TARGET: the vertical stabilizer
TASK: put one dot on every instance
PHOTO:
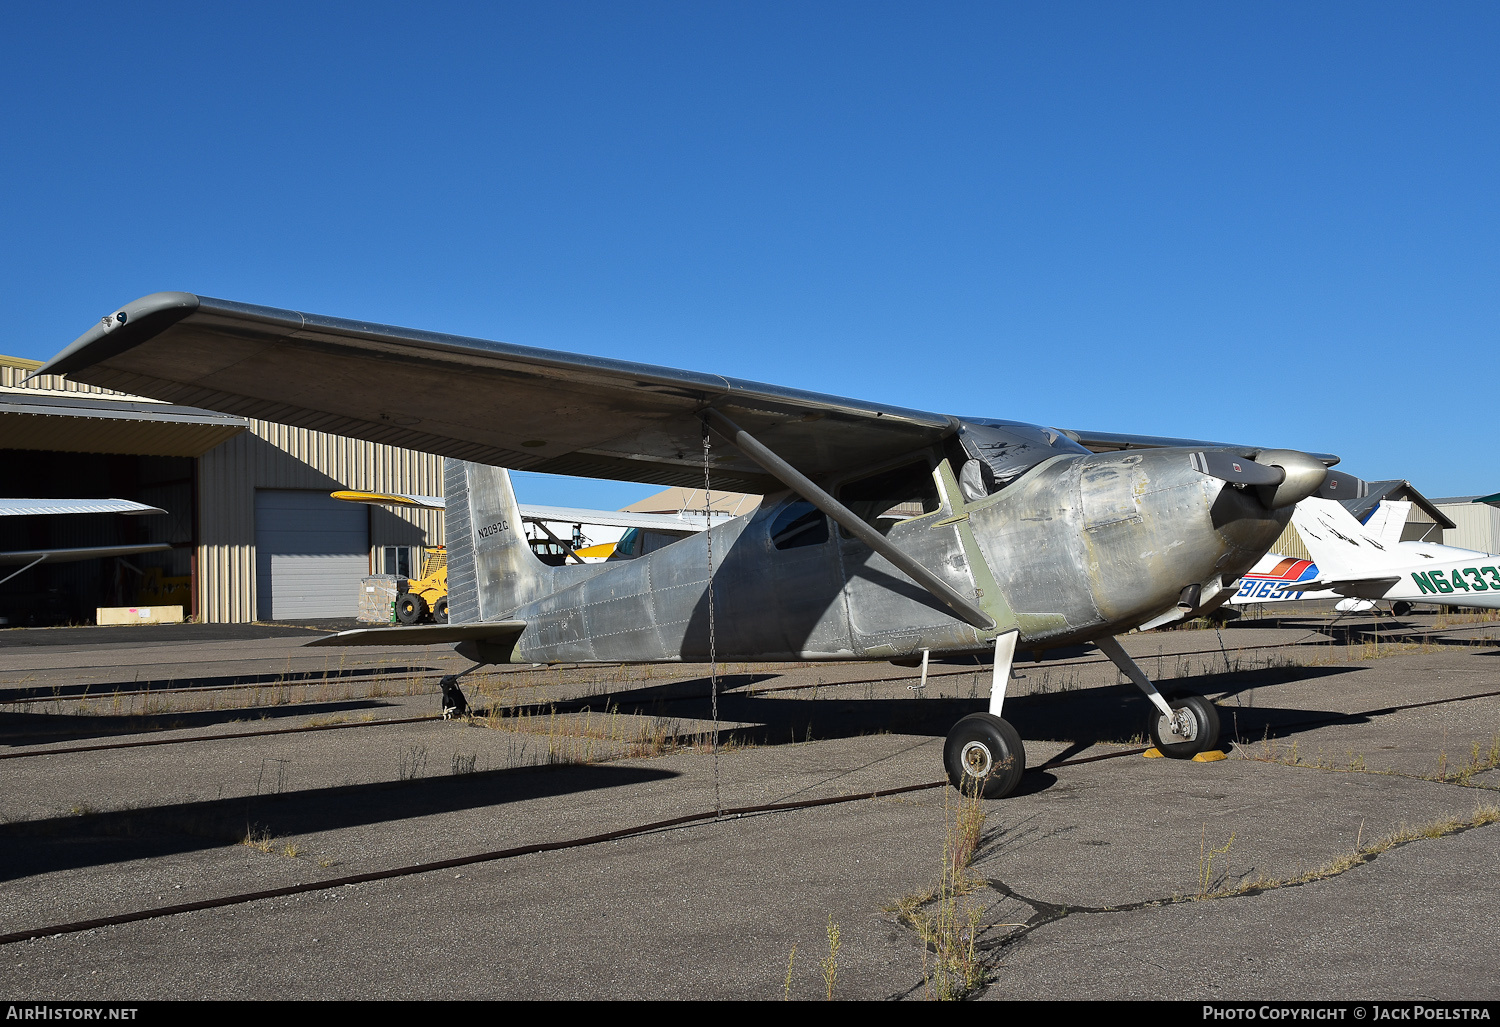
(1338, 544)
(491, 568)
(1387, 521)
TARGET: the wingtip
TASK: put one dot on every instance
(120, 330)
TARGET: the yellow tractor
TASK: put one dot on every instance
(419, 599)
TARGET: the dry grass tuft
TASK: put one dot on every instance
(258, 839)
(830, 965)
(946, 918)
(1483, 814)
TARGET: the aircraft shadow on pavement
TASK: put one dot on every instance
(33, 847)
(1081, 717)
(47, 728)
(104, 692)
(103, 636)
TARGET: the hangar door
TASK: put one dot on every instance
(310, 553)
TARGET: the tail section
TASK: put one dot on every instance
(491, 568)
(1339, 544)
(1387, 521)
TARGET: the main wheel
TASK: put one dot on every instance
(410, 609)
(986, 751)
(440, 611)
(1201, 729)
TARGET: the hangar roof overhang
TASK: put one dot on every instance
(1423, 509)
(82, 423)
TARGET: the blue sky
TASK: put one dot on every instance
(1271, 223)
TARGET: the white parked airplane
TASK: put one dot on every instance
(32, 507)
(1363, 563)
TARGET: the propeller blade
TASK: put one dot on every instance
(1339, 485)
(1236, 469)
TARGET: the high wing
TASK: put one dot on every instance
(559, 514)
(27, 507)
(489, 402)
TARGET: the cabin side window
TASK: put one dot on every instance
(798, 524)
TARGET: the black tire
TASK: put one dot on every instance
(984, 748)
(440, 611)
(1401, 608)
(410, 609)
(1203, 728)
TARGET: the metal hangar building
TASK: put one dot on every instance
(253, 532)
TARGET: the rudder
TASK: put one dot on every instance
(491, 568)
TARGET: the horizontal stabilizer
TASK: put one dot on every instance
(1355, 588)
(495, 632)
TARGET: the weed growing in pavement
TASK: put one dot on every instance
(829, 966)
(1483, 814)
(258, 839)
(946, 919)
(1206, 857)
(413, 763)
(1480, 760)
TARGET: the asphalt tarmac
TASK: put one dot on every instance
(1345, 849)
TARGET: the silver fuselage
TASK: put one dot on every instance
(1080, 546)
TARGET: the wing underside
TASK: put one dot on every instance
(494, 403)
(491, 402)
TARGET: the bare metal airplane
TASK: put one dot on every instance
(885, 533)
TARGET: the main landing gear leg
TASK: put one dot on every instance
(983, 753)
(1185, 725)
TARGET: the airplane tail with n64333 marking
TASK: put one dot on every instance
(1362, 562)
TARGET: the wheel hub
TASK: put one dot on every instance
(1183, 726)
(977, 760)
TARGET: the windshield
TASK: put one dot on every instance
(999, 452)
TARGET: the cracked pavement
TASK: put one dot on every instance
(1099, 859)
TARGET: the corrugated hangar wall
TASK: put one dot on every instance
(1478, 526)
(275, 456)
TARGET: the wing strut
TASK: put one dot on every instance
(23, 570)
(846, 518)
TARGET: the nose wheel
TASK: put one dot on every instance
(1193, 727)
(984, 752)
